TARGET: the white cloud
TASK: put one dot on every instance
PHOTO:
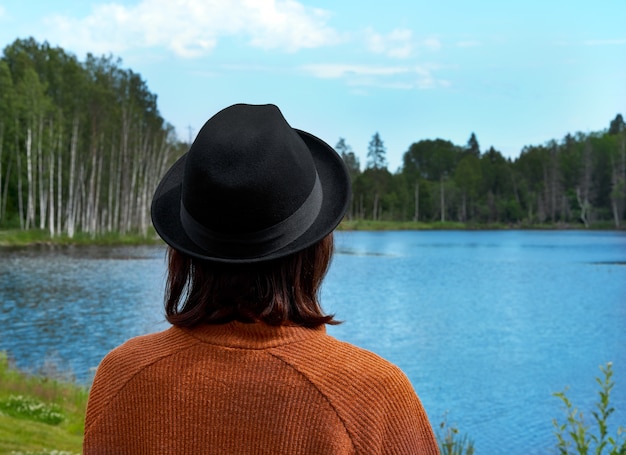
(288, 24)
(191, 28)
(397, 44)
(334, 71)
(432, 44)
(391, 77)
(606, 42)
(468, 43)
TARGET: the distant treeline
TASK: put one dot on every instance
(579, 180)
(82, 144)
(82, 147)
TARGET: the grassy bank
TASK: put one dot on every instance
(369, 225)
(39, 415)
(17, 237)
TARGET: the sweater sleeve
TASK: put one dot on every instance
(405, 428)
(121, 364)
(374, 398)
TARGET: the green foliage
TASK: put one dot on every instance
(617, 125)
(575, 436)
(349, 158)
(472, 148)
(82, 144)
(31, 408)
(574, 183)
(452, 442)
(376, 153)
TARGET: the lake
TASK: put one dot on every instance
(487, 325)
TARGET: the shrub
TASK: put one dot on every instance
(451, 442)
(574, 432)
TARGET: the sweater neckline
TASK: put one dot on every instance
(256, 335)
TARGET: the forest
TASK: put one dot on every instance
(82, 147)
(82, 144)
(578, 181)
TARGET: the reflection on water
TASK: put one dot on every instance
(487, 325)
(350, 252)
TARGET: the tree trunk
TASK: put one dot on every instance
(464, 207)
(43, 195)
(442, 201)
(416, 216)
(584, 206)
(90, 199)
(30, 196)
(59, 211)
(71, 205)
(3, 200)
(97, 214)
(375, 208)
(53, 148)
(618, 181)
(584, 189)
(361, 207)
(1, 144)
(20, 196)
(616, 216)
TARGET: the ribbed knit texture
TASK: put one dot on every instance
(252, 389)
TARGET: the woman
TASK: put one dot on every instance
(247, 367)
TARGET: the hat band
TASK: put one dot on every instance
(257, 243)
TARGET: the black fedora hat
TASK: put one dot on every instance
(250, 189)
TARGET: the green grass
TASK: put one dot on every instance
(17, 237)
(369, 225)
(39, 415)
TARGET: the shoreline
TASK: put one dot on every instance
(37, 237)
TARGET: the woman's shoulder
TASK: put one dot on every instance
(136, 346)
(328, 360)
(373, 397)
(137, 353)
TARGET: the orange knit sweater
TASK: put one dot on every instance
(251, 389)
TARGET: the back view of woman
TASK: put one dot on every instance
(247, 367)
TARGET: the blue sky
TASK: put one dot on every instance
(515, 73)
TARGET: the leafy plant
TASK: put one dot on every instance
(575, 434)
(451, 442)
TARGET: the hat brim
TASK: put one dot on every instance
(334, 179)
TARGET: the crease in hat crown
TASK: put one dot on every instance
(249, 187)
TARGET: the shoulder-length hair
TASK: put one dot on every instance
(278, 292)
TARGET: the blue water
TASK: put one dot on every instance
(487, 325)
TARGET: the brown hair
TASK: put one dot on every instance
(277, 292)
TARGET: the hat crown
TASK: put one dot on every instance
(251, 189)
(246, 171)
